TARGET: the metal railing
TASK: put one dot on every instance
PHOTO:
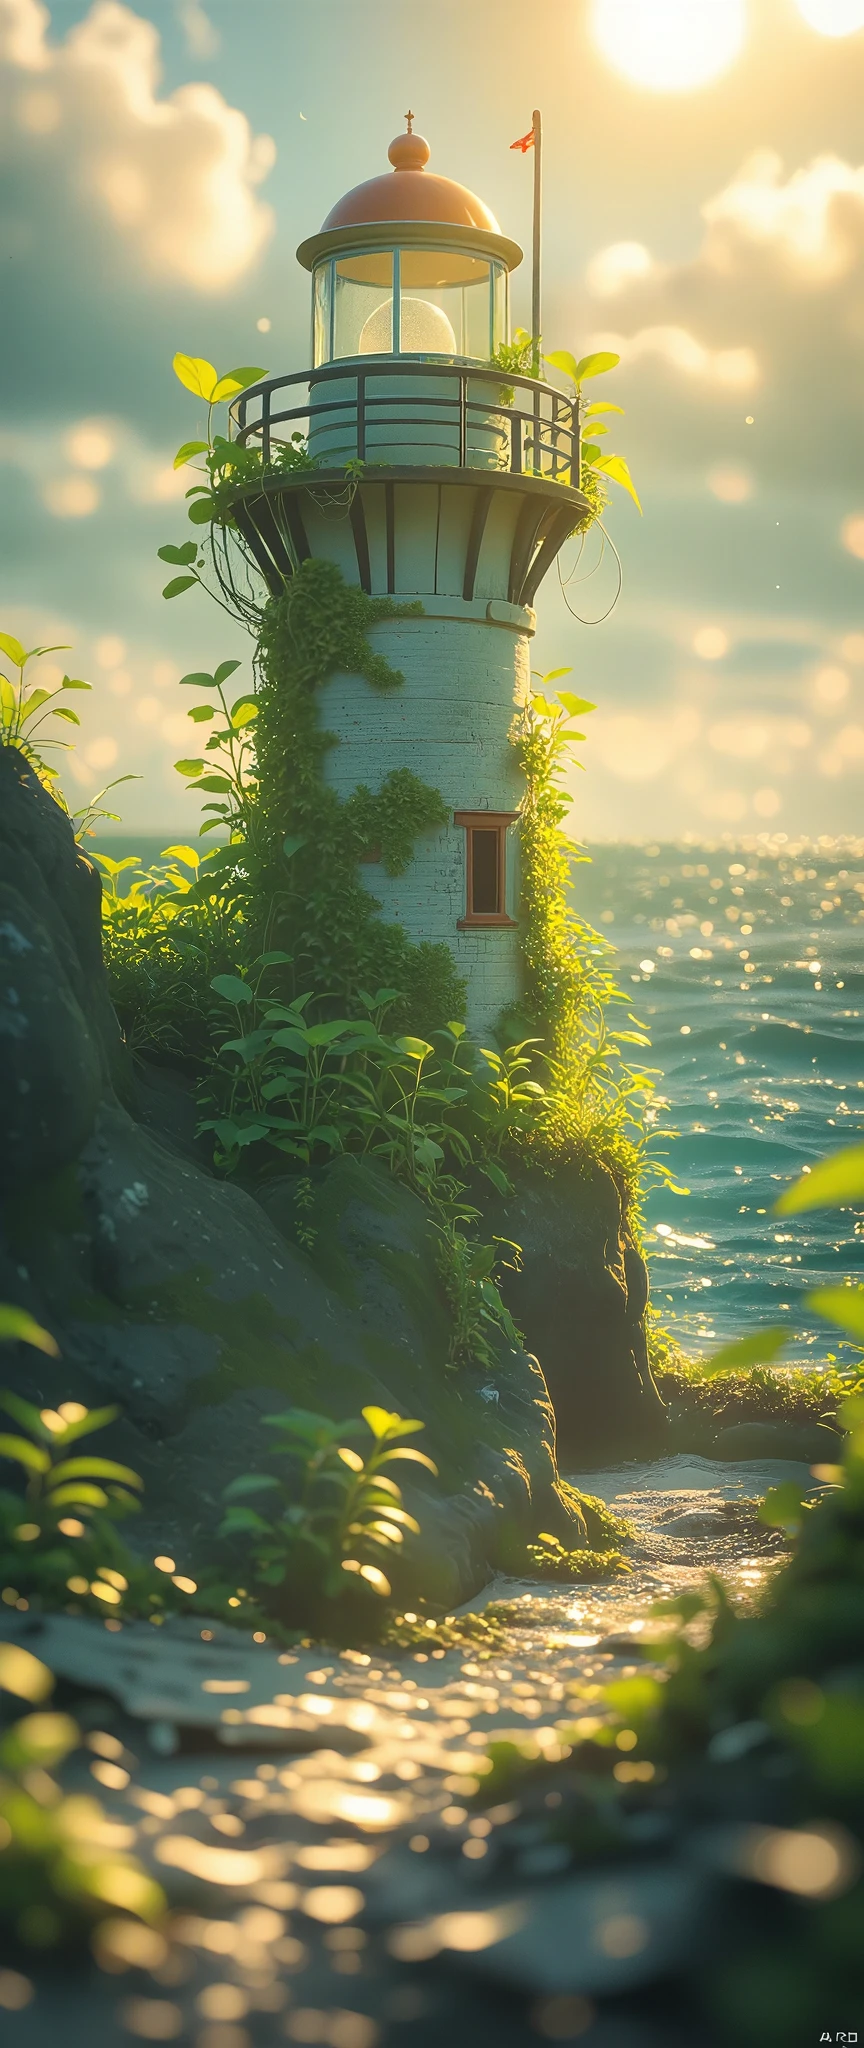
(452, 415)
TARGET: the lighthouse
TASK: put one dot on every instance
(427, 473)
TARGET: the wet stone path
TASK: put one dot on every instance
(296, 1806)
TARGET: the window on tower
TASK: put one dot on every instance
(485, 866)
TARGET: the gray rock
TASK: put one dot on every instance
(580, 1299)
(809, 1442)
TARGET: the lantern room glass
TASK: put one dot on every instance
(417, 301)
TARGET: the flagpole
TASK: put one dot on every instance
(536, 317)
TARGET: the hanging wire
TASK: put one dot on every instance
(564, 582)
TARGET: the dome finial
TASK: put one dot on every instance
(409, 152)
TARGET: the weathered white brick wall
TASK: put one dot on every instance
(465, 676)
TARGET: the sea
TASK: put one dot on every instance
(744, 963)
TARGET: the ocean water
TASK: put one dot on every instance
(747, 967)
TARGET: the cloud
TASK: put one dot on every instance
(812, 224)
(60, 467)
(731, 369)
(202, 39)
(770, 308)
(172, 179)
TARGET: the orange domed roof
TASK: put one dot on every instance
(410, 192)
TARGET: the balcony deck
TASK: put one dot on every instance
(445, 477)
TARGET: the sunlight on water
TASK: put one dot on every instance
(747, 966)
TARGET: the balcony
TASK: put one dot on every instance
(423, 477)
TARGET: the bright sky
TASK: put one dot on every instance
(704, 214)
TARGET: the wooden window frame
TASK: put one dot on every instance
(485, 821)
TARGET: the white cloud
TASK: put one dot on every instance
(621, 264)
(727, 369)
(203, 40)
(813, 221)
(176, 177)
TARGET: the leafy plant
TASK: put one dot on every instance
(166, 933)
(335, 1514)
(59, 1539)
(594, 418)
(63, 1863)
(231, 774)
(594, 1100)
(24, 711)
(470, 1274)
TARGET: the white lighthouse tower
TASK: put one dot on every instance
(430, 475)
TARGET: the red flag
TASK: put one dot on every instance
(525, 142)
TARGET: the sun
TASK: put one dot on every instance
(833, 17)
(669, 45)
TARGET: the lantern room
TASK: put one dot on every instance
(409, 264)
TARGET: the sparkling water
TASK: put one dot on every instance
(747, 967)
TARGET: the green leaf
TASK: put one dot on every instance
(17, 1327)
(198, 376)
(203, 511)
(198, 680)
(415, 1457)
(601, 405)
(561, 359)
(178, 584)
(384, 1421)
(759, 1349)
(75, 683)
(244, 712)
(596, 365)
(189, 767)
(250, 1482)
(232, 988)
(25, 1414)
(187, 451)
(843, 1305)
(79, 1494)
(201, 714)
(95, 1418)
(414, 1048)
(234, 381)
(214, 782)
(178, 556)
(576, 707)
(226, 669)
(93, 1468)
(553, 674)
(239, 1521)
(13, 649)
(31, 1455)
(782, 1506)
(616, 467)
(292, 846)
(184, 853)
(62, 711)
(829, 1185)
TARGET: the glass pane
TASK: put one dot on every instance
(363, 305)
(321, 314)
(445, 304)
(500, 320)
(484, 858)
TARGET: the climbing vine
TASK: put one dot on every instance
(305, 844)
(595, 1101)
